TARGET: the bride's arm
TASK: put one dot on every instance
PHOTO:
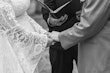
(16, 33)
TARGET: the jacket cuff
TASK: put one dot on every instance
(65, 43)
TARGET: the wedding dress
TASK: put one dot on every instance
(20, 48)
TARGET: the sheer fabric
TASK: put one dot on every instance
(20, 51)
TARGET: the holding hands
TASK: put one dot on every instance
(52, 38)
(57, 21)
(54, 35)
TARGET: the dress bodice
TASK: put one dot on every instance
(20, 6)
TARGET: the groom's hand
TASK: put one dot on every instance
(55, 35)
(57, 22)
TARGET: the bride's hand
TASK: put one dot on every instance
(49, 43)
(50, 40)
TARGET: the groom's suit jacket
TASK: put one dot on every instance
(93, 35)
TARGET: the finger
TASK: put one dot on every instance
(62, 18)
(65, 16)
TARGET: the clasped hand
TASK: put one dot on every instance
(53, 37)
(57, 22)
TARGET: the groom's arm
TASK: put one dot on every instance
(95, 14)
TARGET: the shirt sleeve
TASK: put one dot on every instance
(94, 15)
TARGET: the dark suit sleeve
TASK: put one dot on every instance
(51, 4)
(95, 14)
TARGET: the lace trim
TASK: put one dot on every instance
(23, 39)
(7, 21)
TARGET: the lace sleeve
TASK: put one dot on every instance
(15, 32)
(26, 45)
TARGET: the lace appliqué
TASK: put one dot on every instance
(30, 46)
(23, 39)
(27, 46)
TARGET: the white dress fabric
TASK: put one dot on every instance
(20, 50)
